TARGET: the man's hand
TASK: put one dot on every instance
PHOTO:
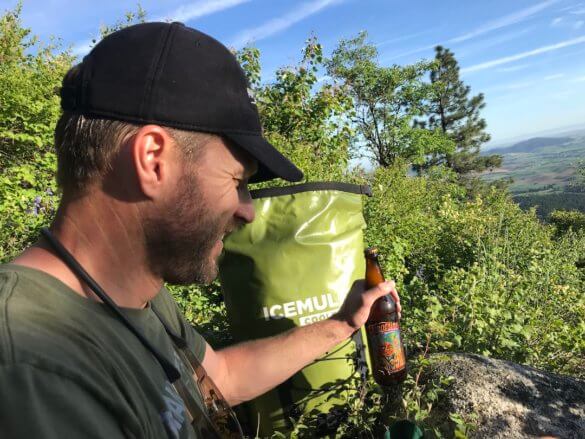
(355, 310)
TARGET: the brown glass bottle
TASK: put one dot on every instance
(387, 354)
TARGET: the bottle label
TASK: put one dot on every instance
(384, 339)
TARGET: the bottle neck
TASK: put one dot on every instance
(374, 275)
(384, 309)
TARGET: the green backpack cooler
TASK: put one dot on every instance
(292, 266)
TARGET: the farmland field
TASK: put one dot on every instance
(542, 171)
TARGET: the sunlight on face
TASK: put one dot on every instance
(184, 237)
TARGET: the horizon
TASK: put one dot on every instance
(526, 57)
(565, 130)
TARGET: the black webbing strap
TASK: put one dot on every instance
(285, 389)
(361, 361)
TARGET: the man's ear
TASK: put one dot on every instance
(152, 154)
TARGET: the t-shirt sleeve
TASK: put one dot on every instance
(197, 343)
(36, 403)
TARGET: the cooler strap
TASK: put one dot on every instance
(284, 390)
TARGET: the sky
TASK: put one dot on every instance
(526, 56)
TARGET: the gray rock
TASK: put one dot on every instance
(510, 400)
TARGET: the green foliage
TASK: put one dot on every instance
(482, 276)
(580, 176)
(546, 202)
(567, 220)
(306, 123)
(387, 101)
(577, 183)
(29, 105)
(30, 74)
(373, 412)
(130, 18)
(203, 307)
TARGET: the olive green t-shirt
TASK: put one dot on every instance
(70, 369)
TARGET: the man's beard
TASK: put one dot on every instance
(180, 240)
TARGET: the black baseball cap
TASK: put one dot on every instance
(172, 75)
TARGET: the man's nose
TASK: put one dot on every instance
(246, 211)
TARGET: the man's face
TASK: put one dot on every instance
(184, 239)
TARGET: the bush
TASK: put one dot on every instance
(481, 276)
(30, 74)
(567, 220)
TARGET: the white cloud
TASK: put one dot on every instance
(404, 38)
(198, 9)
(485, 43)
(513, 68)
(555, 76)
(184, 13)
(511, 86)
(504, 21)
(556, 21)
(579, 79)
(279, 24)
(522, 55)
(499, 23)
(519, 85)
(413, 51)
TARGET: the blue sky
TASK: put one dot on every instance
(526, 56)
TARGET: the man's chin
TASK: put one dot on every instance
(202, 275)
(206, 274)
(210, 273)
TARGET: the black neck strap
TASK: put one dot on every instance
(170, 370)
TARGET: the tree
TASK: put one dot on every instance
(29, 105)
(387, 101)
(577, 183)
(130, 18)
(457, 115)
(565, 220)
(305, 119)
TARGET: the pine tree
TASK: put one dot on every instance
(457, 115)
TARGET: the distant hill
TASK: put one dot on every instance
(540, 163)
(531, 145)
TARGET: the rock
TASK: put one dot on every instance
(510, 400)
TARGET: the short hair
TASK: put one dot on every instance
(86, 145)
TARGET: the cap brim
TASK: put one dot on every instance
(271, 163)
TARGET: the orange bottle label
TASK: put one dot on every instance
(384, 339)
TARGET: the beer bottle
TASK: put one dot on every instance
(387, 355)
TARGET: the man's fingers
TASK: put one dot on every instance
(396, 298)
(388, 287)
(383, 288)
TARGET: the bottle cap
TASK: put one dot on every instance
(371, 251)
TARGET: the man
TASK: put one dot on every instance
(156, 145)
